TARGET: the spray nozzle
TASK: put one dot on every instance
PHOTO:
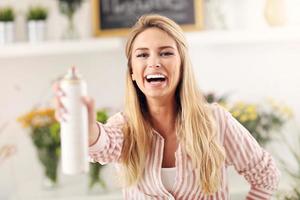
(72, 73)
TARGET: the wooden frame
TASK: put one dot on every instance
(100, 30)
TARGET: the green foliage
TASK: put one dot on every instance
(295, 195)
(7, 14)
(47, 141)
(69, 7)
(102, 116)
(95, 168)
(37, 13)
(211, 98)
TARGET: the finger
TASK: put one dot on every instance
(57, 89)
(60, 117)
(59, 105)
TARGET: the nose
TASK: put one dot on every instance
(157, 65)
(153, 62)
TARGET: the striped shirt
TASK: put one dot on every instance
(242, 151)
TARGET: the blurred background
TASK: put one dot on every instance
(245, 54)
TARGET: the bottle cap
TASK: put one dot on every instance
(72, 74)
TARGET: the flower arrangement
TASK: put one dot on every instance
(261, 120)
(44, 132)
(95, 168)
(37, 13)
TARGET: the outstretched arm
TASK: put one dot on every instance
(108, 146)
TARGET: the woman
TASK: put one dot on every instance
(169, 143)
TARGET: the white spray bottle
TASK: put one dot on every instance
(74, 131)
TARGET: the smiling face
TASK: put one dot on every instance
(155, 62)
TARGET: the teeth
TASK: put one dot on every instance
(155, 76)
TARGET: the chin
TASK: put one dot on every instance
(155, 95)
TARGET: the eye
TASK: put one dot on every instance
(167, 53)
(142, 55)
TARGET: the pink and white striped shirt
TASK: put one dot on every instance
(242, 151)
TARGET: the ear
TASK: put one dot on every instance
(132, 77)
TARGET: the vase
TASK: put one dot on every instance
(275, 12)
(243, 14)
(96, 182)
(36, 30)
(49, 160)
(70, 33)
(214, 15)
(48, 184)
(7, 32)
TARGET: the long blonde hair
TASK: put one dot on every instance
(195, 128)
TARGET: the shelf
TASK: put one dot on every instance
(242, 37)
(195, 39)
(60, 47)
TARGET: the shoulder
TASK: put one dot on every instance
(220, 116)
(117, 119)
(219, 112)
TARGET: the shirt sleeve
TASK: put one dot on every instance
(249, 159)
(108, 147)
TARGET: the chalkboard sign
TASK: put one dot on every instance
(115, 17)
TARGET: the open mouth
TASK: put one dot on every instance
(155, 78)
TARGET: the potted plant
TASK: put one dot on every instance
(36, 23)
(7, 17)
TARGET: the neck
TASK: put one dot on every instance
(163, 116)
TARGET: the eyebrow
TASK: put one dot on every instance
(162, 47)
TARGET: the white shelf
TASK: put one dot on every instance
(60, 47)
(273, 36)
(242, 37)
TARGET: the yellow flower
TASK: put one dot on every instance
(236, 113)
(286, 110)
(243, 118)
(250, 109)
(38, 118)
(253, 116)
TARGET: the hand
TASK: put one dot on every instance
(61, 111)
